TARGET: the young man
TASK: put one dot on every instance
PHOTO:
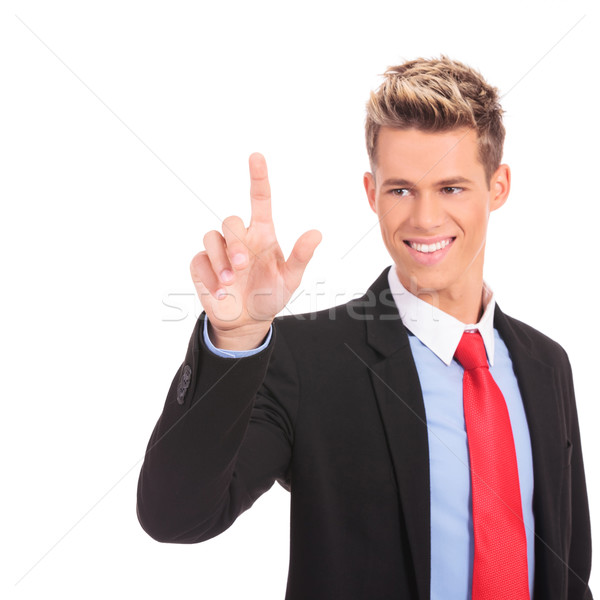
(429, 441)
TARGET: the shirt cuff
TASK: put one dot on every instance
(234, 353)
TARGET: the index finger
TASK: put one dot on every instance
(260, 191)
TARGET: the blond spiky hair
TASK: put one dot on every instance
(437, 95)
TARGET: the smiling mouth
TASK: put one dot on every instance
(429, 248)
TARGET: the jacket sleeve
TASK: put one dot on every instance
(224, 436)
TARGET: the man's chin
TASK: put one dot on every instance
(417, 283)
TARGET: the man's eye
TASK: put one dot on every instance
(451, 190)
(401, 192)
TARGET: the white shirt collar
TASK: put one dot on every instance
(438, 330)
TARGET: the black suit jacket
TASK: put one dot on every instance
(333, 410)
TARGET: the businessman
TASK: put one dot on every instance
(430, 442)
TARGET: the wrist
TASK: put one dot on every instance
(245, 337)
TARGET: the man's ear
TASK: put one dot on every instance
(499, 186)
(369, 183)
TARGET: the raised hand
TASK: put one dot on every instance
(242, 277)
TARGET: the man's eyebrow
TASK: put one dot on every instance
(405, 183)
(398, 183)
(454, 181)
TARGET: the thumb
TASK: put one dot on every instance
(300, 256)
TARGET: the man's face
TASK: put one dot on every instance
(430, 193)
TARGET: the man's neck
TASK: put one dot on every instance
(467, 308)
(465, 303)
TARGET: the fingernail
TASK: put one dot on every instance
(226, 275)
(238, 259)
(221, 294)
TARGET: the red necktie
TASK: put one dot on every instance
(500, 562)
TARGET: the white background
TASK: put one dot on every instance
(124, 136)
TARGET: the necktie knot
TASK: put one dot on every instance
(471, 351)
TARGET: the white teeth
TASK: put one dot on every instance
(426, 248)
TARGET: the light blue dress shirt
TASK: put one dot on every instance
(434, 336)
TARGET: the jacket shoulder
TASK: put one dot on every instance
(536, 342)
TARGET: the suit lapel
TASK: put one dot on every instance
(400, 401)
(537, 384)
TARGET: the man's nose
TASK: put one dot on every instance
(427, 212)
